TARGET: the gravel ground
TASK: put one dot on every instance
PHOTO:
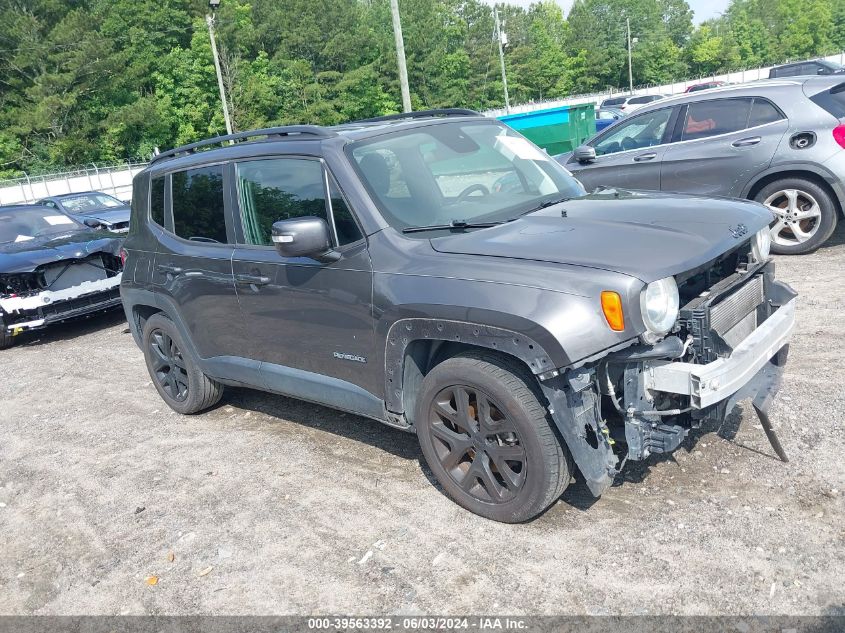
(271, 506)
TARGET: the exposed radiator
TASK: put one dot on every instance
(736, 307)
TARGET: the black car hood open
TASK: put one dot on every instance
(647, 235)
(26, 256)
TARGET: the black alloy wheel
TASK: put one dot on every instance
(175, 373)
(487, 436)
(168, 365)
(477, 445)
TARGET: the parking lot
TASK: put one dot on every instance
(112, 504)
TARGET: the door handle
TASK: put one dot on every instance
(252, 280)
(170, 270)
(644, 157)
(745, 142)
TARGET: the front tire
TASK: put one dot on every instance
(806, 215)
(177, 378)
(6, 339)
(488, 439)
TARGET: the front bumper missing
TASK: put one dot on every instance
(714, 382)
(42, 309)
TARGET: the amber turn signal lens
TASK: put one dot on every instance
(611, 305)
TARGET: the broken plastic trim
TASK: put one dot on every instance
(47, 297)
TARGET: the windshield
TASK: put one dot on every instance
(459, 172)
(20, 225)
(87, 202)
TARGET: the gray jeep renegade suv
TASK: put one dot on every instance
(439, 273)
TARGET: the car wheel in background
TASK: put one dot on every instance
(6, 339)
(488, 439)
(806, 215)
(175, 375)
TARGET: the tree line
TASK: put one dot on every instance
(86, 81)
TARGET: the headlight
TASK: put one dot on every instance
(761, 244)
(659, 303)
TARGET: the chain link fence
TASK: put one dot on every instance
(114, 179)
(736, 76)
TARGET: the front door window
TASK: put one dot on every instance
(641, 131)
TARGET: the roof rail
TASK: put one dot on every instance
(314, 131)
(420, 114)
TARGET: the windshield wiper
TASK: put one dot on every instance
(454, 224)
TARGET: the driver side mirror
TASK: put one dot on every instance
(585, 154)
(304, 237)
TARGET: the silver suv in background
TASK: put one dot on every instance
(781, 143)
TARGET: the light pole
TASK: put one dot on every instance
(502, 39)
(400, 56)
(630, 66)
(209, 19)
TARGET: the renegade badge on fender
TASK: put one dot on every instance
(439, 273)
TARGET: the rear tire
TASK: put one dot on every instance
(177, 378)
(488, 438)
(806, 215)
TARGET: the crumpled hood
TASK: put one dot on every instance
(647, 235)
(109, 216)
(26, 256)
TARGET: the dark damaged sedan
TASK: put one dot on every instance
(53, 268)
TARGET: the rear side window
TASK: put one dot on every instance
(711, 118)
(278, 189)
(786, 71)
(832, 100)
(157, 200)
(198, 204)
(763, 112)
(613, 102)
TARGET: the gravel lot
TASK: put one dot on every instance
(272, 506)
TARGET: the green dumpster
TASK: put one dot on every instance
(556, 130)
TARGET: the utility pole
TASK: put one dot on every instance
(210, 21)
(400, 56)
(499, 38)
(630, 69)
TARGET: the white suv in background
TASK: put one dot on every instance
(630, 103)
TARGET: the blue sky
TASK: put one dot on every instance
(704, 9)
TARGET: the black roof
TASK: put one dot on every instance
(27, 207)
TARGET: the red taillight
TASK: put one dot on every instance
(839, 135)
(123, 255)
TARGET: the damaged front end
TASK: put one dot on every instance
(730, 343)
(60, 290)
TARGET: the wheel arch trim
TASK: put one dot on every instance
(403, 332)
(797, 170)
